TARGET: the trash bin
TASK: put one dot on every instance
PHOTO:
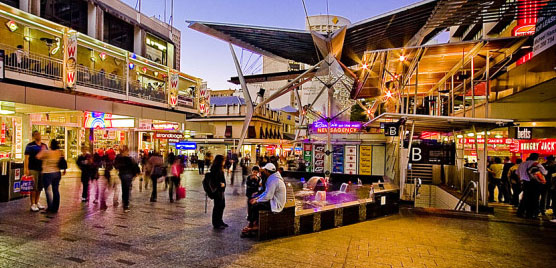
(10, 180)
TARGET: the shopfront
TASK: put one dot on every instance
(104, 130)
(159, 136)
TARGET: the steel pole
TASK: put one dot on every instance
(472, 87)
(487, 90)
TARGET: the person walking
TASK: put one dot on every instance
(157, 171)
(52, 162)
(85, 164)
(127, 170)
(33, 167)
(495, 169)
(529, 205)
(201, 163)
(176, 171)
(506, 185)
(218, 182)
(515, 182)
(244, 169)
(546, 196)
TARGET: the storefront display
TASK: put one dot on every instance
(351, 159)
(365, 159)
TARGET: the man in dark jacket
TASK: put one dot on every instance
(128, 169)
(85, 163)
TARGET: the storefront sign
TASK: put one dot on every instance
(338, 159)
(18, 136)
(185, 101)
(70, 59)
(540, 146)
(336, 127)
(204, 100)
(435, 154)
(165, 126)
(527, 14)
(173, 91)
(308, 155)
(318, 163)
(489, 141)
(350, 163)
(391, 129)
(97, 120)
(3, 133)
(186, 146)
(167, 136)
(524, 133)
(365, 159)
(145, 124)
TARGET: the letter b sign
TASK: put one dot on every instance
(416, 154)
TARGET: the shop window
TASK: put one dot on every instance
(72, 14)
(228, 133)
(251, 132)
(156, 50)
(13, 3)
(118, 32)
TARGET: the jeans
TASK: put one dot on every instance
(218, 209)
(529, 204)
(174, 182)
(255, 208)
(516, 190)
(154, 180)
(493, 183)
(126, 188)
(201, 166)
(51, 183)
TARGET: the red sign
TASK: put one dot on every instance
(167, 136)
(527, 17)
(540, 146)
(489, 141)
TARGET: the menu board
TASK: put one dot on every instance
(318, 164)
(365, 159)
(350, 159)
(338, 159)
(308, 155)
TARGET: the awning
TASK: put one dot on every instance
(440, 123)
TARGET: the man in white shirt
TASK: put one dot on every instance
(201, 162)
(273, 198)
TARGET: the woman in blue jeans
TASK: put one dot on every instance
(51, 175)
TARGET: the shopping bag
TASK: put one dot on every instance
(180, 193)
(27, 185)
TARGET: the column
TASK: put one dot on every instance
(24, 5)
(92, 20)
(138, 41)
(35, 7)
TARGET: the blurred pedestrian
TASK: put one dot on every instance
(176, 171)
(85, 164)
(128, 169)
(495, 169)
(546, 194)
(529, 205)
(506, 185)
(201, 162)
(515, 182)
(157, 171)
(52, 163)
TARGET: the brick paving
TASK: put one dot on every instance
(180, 235)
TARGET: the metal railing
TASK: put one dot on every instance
(21, 61)
(152, 94)
(100, 80)
(471, 189)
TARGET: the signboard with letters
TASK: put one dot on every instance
(184, 145)
(319, 154)
(391, 129)
(70, 59)
(308, 155)
(168, 136)
(524, 133)
(545, 35)
(434, 154)
(365, 159)
(540, 146)
(338, 159)
(173, 91)
(336, 127)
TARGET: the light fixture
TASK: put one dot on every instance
(403, 58)
(156, 73)
(389, 94)
(102, 56)
(144, 69)
(133, 56)
(534, 123)
(93, 59)
(498, 136)
(12, 26)
(488, 132)
(459, 136)
(27, 38)
(131, 65)
(365, 65)
(471, 134)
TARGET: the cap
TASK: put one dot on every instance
(270, 167)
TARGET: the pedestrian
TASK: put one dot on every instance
(85, 164)
(201, 162)
(529, 205)
(546, 194)
(208, 159)
(218, 182)
(52, 162)
(515, 182)
(253, 185)
(145, 168)
(157, 171)
(127, 170)
(244, 169)
(506, 185)
(108, 182)
(176, 171)
(97, 165)
(234, 160)
(33, 167)
(169, 162)
(495, 169)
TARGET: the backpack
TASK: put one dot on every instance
(208, 187)
(535, 174)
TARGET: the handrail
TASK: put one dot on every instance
(101, 80)
(471, 187)
(22, 61)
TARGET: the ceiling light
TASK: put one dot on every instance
(471, 134)
(459, 136)
(403, 58)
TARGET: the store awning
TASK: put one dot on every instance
(440, 123)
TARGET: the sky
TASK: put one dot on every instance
(210, 59)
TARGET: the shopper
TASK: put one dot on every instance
(128, 169)
(506, 185)
(218, 182)
(546, 194)
(201, 162)
(145, 168)
(495, 169)
(52, 162)
(157, 171)
(244, 169)
(176, 171)
(33, 167)
(234, 159)
(529, 205)
(108, 182)
(253, 185)
(273, 198)
(515, 182)
(85, 164)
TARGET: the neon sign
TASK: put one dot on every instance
(97, 120)
(337, 127)
(527, 14)
(540, 146)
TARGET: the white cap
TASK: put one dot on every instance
(270, 167)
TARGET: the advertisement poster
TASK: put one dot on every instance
(173, 91)
(70, 59)
(365, 159)
(308, 156)
(338, 159)
(318, 164)
(350, 159)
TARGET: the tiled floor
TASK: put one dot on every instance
(180, 235)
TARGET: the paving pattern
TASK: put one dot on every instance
(163, 234)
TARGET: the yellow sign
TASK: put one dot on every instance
(365, 159)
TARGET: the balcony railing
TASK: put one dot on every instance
(100, 80)
(21, 61)
(142, 92)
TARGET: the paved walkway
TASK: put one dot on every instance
(180, 235)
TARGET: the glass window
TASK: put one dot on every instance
(118, 32)
(13, 3)
(156, 50)
(70, 13)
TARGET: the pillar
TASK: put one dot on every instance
(92, 20)
(24, 5)
(34, 7)
(138, 41)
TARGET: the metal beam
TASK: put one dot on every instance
(246, 95)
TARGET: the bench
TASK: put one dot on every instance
(273, 225)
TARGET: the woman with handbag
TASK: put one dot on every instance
(176, 171)
(52, 163)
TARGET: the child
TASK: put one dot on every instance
(252, 187)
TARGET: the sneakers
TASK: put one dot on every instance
(83, 199)
(34, 208)
(126, 209)
(41, 207)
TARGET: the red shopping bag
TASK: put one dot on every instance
(27, 185)
(180, 193)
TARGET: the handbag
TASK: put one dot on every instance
(27, 185)
(180, 193)
(62, 164)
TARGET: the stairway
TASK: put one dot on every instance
(420, 171)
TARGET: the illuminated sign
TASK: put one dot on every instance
(186, 146)
(97, 120)
(337, 127)
(70, 59)
(145, 124)
(168, 136)
(160, 125)
(173, 92)
(527, 14)
(12, 26)
(540, 146)
(489, 141)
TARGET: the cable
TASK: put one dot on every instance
(309, 24)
